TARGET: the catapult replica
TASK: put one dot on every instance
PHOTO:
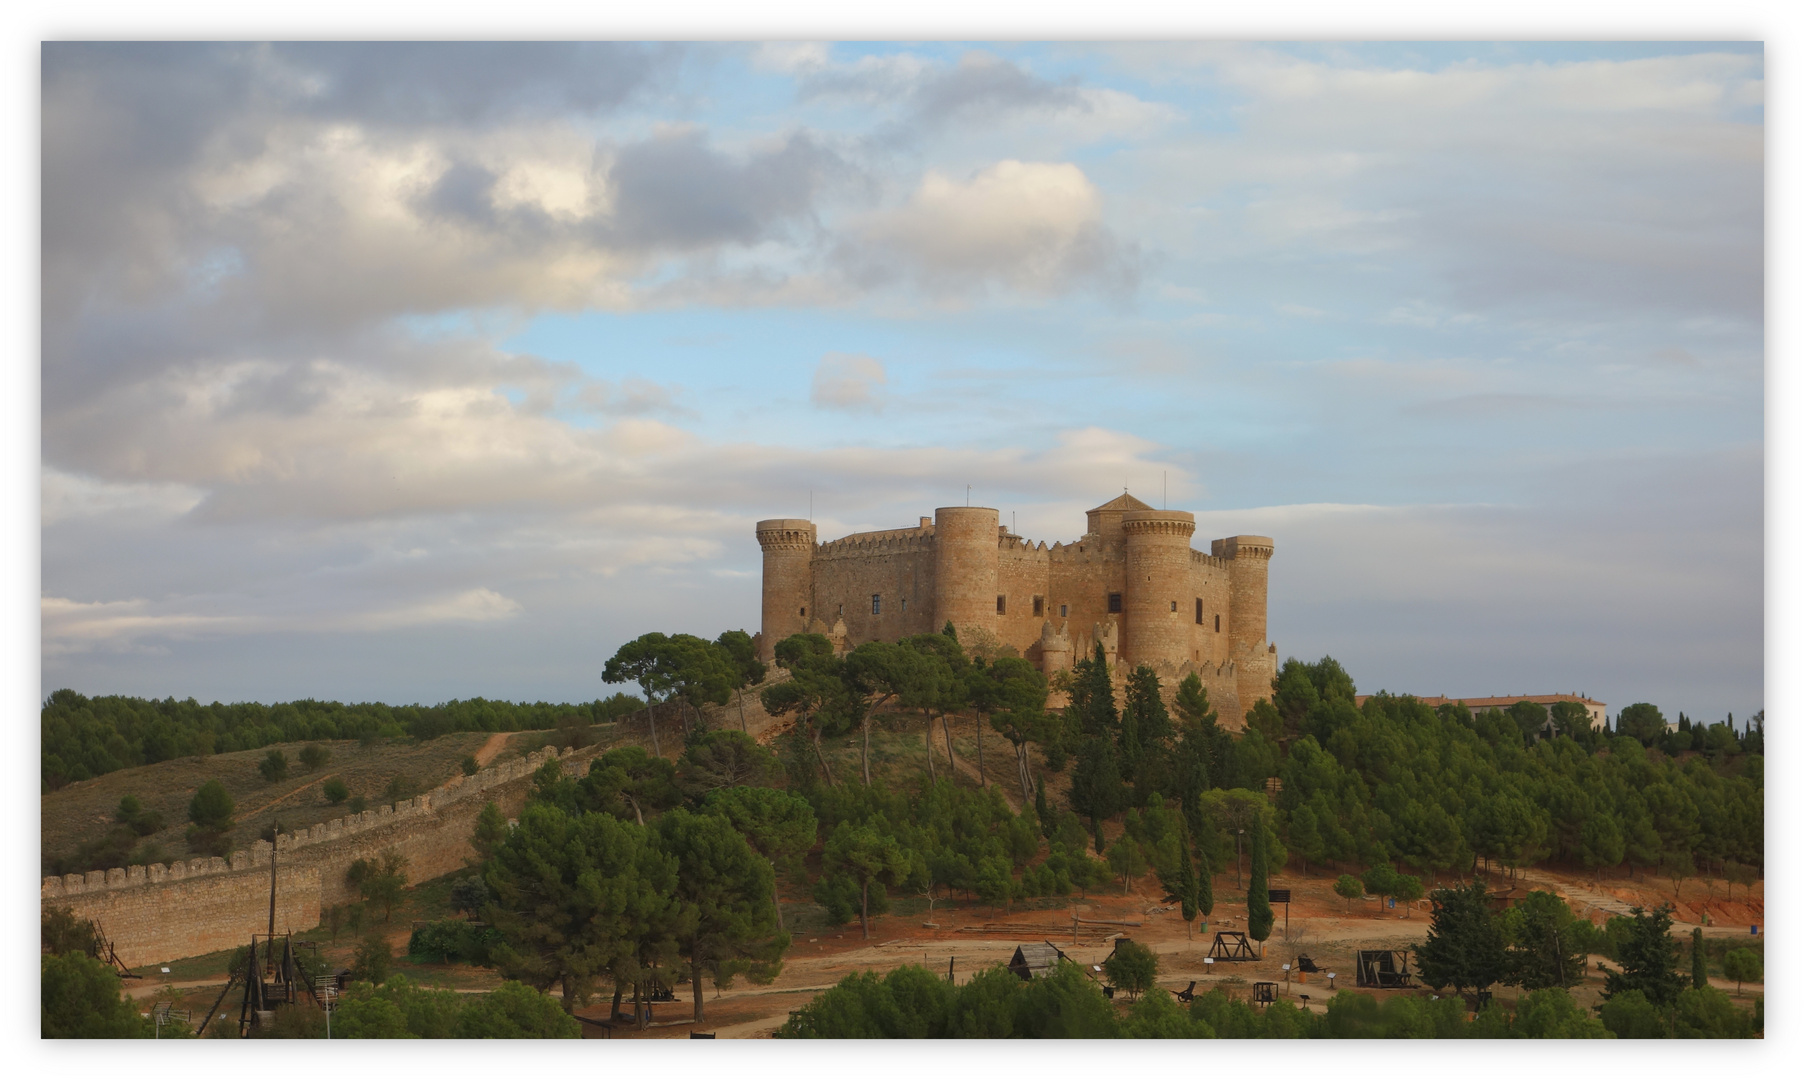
(271, 975)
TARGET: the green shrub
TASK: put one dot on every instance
(470, 766)
(335, 791)
(274, 766)
(1132, 967)
(372, 961)
(313, 755)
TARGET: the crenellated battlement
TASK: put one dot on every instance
(1133, 570)
(258, 854)
(888, 542)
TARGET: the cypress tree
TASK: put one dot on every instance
(1041, 812)
(1259, 908)
(1187, 877)
(1699, 978)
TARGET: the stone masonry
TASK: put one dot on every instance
(1131, 583)
(159, 913)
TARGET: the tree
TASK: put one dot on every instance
(1699, 977)
(1132, 967)
(627, 782)
(211, 808)
(1465, 946)
(1630, 1015)
(1642, 722)
(1126, 860)
(470, 765)
(274, 766)
(1571, 719)
(729, 890)
(1259, 906)
(578, 898)
(675, 668)
(82, 998)
(1677, 866)
(313, 756)
(491, 829)
(724, 759)
(1545, 950)
(63, 933)
(211, 813)
(1306, 839)
(1742, 965)
(1407, 889)
(335, 791)
(748, 670)
(1187, 877)
(1349, 888)
(780, 826)
(380, 881)
(866, 856)
(1601, 842)
(1648, 957)
(816, 690)
(1016, 692)
(516, 1011)
(1551, 1013)
(1529, 718)
(372, 960)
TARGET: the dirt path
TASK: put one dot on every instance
(288, 796)
(492, 746)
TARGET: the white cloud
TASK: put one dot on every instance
(1034, 226)
(848, 382)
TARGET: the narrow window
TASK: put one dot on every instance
(1200, 611)
(1174, 605)
(1115, 602)
(1062, 611)
(839, 610)
(1040, 606)
(802, 612)
(1218, 624)
(1001, 605)
(905, 606)
(877, 604)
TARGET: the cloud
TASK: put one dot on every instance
(1032, 226)
(848, 382)
(138, 625)
(979, 91)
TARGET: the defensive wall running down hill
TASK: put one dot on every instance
(158, 913)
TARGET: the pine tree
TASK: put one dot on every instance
(1699, 979)
(1648, 957)
(1259, 907)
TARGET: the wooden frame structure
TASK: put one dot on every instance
(1382, 969)
(1232, 945)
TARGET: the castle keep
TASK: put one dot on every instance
(1131, 583)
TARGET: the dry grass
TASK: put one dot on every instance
(83, 811)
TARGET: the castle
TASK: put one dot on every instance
(1131, 583)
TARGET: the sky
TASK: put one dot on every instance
(408, 373)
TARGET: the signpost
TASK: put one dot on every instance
(1282, 896)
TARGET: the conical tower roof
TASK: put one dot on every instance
(1123, 501)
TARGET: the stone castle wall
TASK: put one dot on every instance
(158, 913)
(1181, 610)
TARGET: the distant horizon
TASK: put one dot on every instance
(419, 372)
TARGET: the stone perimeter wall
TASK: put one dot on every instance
(158, 913)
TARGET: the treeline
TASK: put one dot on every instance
(1388, 781)
(914, 1003)
(86, 737)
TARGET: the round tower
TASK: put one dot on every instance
(1156, 588)
(1247, 594)
(789, 546)
(965, 567)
